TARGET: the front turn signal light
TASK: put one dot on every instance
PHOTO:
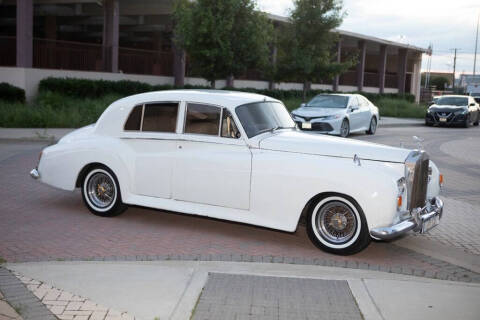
(399, 202)
(440, 180)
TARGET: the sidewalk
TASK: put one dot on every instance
(390, 122)
(228, 290)
(54, 134)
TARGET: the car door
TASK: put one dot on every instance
(213, 163)
(365, 112)
(150, 132)
(354, 113)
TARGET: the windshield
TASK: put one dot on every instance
(263, 116)
(328, 101)
(452, 101)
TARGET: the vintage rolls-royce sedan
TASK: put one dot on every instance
(240, 157)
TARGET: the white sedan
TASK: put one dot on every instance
(240, 157)
(337, 114)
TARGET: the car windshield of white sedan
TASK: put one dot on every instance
(260, 117)
(328, 101)
(452, 101)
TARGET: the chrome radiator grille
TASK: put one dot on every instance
(417, 179)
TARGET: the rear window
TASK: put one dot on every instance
(135, 119)
(161, 117)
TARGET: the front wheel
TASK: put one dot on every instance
(101, 192)
(466, 124)
(336, 224)
(373, 126)
(345, 129)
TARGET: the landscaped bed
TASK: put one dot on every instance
(73, 103)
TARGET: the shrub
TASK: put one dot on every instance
(96, 88)
(11, 93)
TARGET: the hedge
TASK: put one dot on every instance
(11, 93)
(96, 88)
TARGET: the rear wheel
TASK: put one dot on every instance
(478, 118)
(101, 192)
(336, 224)
(373, 126)
(345, 128)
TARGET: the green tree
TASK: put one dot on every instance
(222, 38)
(306, 45)
(440, 82)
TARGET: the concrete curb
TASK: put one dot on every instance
(22, 299)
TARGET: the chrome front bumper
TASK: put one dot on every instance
(35, 174)
(422, 220)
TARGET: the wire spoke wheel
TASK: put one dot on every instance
(101, 190)
(336, 222)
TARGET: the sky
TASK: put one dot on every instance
(444, 24)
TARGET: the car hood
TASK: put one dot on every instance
(308, 143)
(446, 108)
(311, 112)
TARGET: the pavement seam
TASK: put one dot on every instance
(371, 298)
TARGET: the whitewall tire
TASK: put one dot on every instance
(336, 224)
(101, 192)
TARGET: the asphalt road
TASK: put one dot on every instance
(456, 151)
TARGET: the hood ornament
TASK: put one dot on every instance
(419, 142)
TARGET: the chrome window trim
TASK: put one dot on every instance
(205, 104)
(143, 112)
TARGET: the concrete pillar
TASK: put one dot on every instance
(402, 69)
(24, 33)
(179, 62)
(362, 47)
(382, 67)
(110, 35)
(336, 80)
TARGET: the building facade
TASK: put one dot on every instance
(124, 39)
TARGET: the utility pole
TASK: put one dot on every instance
(454, 66)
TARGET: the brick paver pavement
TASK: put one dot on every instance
(270, 298)
(42, 223)
(67, 306)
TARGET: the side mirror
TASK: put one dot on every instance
(302, 105)
(353, 108)
(472, 104)
(431, 103)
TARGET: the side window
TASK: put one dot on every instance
(202, 119)
(229, 128)
(160, 117)
(134, 119)
(363, 101)
(354, 101)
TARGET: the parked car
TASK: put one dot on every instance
(240, 157)
(337, 114)
(476, 96)
(453, 110)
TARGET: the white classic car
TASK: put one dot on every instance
(240, 157)
(337, 114)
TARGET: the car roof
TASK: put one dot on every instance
(209, 96)
(453, 96)
(113, 118)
